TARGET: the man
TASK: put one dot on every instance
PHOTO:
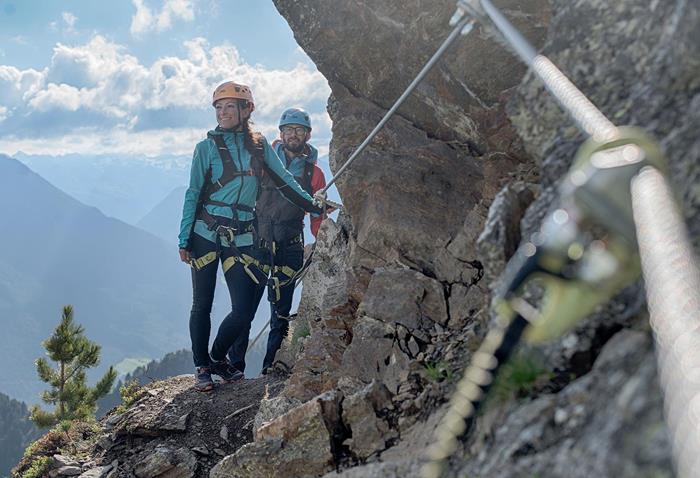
(281, 228)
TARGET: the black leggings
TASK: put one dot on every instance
(291, 256)
(245, 296)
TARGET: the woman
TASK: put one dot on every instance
(218, 223)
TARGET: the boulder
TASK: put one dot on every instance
(374, 354)
(271, 409)
(298, 443)
(406, 297)
(361, 415)
(167, 462)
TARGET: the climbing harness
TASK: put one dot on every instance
(229, 227)
(296, 277)
(224, 226)
(617, 217)
(247, 262)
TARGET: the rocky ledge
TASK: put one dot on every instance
(169, 430)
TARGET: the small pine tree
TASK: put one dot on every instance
(73, 354)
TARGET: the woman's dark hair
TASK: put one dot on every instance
(253, 141)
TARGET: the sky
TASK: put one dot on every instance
(136, 77)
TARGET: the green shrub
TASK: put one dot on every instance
(301, 331)
(73, 354)
(70, 438)
(519, 377)
(41, 450)
(439, 371)
(130, 393)
(38, 468)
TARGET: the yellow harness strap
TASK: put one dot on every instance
(247, 261)
(200, 262)
(286, 270)
(276, 288)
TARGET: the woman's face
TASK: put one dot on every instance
(228, 110)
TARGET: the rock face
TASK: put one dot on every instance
(640, 68)
(617, 406)
(438, 203)
(451, 145)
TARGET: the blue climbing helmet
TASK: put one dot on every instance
(295, 116)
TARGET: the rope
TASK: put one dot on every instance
(673, 294)
(571, 99)
(495, 350)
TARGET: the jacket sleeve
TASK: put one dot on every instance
(285, 182)
(198, 170)
(318, 182)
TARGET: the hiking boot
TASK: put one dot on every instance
(202, 380)
(226, 371)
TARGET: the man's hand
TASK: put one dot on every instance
(319, 199)
(322, 202)
(185, 256)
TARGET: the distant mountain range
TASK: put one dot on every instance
(16, 432)
(127, 286)
(164, 219)
(123, 187)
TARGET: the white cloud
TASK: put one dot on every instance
(100, 76)
(91, 141)
(3, 113)
(20, 40)
(174, 9)
(145, 20)
(99, 84)
(321, 121)
(16, 86)
(57, 96)
(142, 19)
(69, 20)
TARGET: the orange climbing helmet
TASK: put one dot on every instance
(231, 89)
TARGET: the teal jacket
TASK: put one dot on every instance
(241, 190)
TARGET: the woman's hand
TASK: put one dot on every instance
(185, 256)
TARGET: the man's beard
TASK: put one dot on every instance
(295, 149)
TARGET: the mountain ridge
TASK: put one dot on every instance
(124, 283)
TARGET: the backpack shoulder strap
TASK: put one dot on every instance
(230, 172)
(307, 175)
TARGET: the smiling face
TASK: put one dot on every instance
(294, 137)
(231, 112)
